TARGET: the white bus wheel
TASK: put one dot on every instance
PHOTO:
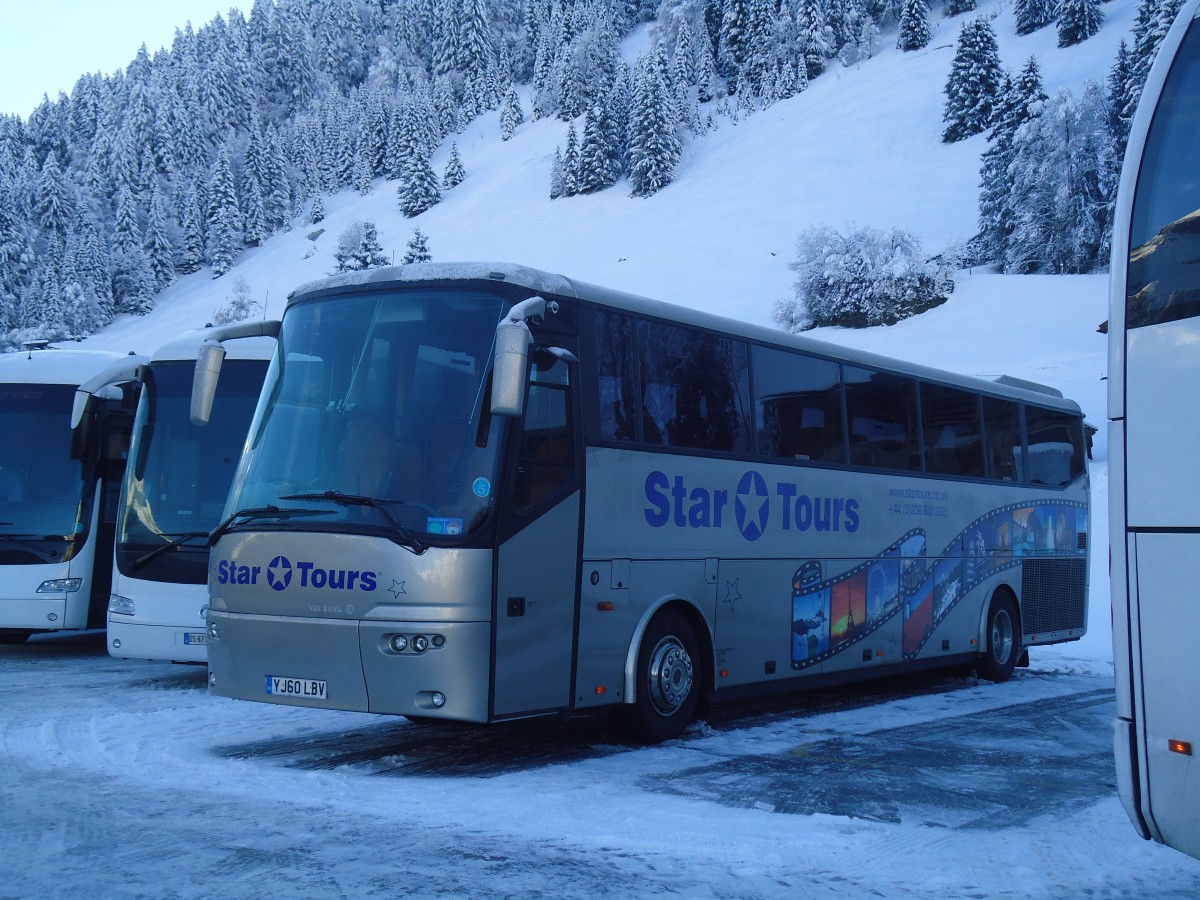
(668, 680)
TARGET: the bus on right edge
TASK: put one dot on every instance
(1154, 413)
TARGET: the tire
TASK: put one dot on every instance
(8, 636)
(1003, 637)
(668, 681)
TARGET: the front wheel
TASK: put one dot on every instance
(999, 657)
(10, 636)
(668, 681)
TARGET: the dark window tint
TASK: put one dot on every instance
(881, 414)
(799, 406)
(694, 389)
(618, 377)
(951, 429)
(1163, 282)
(1002, 429)
(1055, 444)
(546, 459)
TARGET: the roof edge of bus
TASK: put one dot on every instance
(55, 365)
(500, 272)
(184, 347)
(1025, 384)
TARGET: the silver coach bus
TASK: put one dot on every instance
(604, 500)
(1154, 412)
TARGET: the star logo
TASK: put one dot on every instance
(732, 594)
(752, 506)
(279, 573)
(397, 588)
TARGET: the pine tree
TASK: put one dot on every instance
(556, 175)
(455, 173)
(915, 29)
(418, 249)
(510, 114)
(654, 148)
(53, 203)
(973, 86)
(317, 212)
(358, 248)
(600, 152)
(1078, 20)
(958, 7)
(157, 244)
(1033, 14)
(418, 189)
(225, 223)
(570, 164)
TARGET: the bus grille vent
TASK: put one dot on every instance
(1081, 541)
(1053, 595)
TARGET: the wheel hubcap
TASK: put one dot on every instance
(670, 676)
(1002, 636)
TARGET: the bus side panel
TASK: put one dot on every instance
(1164, 480)
(1167, 566)
(769, 625)
(535, 613)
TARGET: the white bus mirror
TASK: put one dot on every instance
(512, 357)
(204, 381)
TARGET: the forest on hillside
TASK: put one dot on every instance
(192, 154)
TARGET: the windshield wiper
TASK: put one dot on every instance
(270, 511)
(170, 545)
(407, 538)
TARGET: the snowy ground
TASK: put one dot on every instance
(126, 779)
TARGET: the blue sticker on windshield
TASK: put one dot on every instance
(482, 487)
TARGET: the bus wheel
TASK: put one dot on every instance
(998, 659)
(668, 681)
(8, 636)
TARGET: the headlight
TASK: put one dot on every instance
(120, 605)
(60, 586)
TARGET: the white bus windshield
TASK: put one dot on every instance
(374, 413)
(42, 490)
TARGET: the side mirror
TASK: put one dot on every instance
(204, 381)
(509, 372)
(82, 424)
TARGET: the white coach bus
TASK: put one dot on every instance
(175, 488)
(59, 484)
(1154, 412)
(610, 501)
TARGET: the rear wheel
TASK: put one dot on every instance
(668, 681)
(999, 657)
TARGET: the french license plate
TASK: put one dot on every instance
(309, 688)
(195, 638)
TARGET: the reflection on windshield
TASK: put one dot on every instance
(179, 476)
(42, 489)
(379, 396)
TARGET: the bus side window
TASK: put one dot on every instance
(546, 457)
(1002, 439)
(952, 438)
(799, 406)
(881, 413)
(1055, 446)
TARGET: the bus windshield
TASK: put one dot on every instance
(43, 492)
(180, 473)
(374, 415)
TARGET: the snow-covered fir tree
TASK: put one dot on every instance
(915, 27)
(1033, 14)
(417, 250)
(511, 115)
(654, 147)
(454, 173)
(1078, 20)
(358, 248)
(973, 87)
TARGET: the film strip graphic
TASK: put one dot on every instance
(831, 615)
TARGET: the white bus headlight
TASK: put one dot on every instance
(60, 586)
(399, 643)
(120, 605)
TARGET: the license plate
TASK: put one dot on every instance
(309, 688)
(194, 638)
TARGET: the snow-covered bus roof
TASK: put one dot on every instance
(53, 365)
(539, 282)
